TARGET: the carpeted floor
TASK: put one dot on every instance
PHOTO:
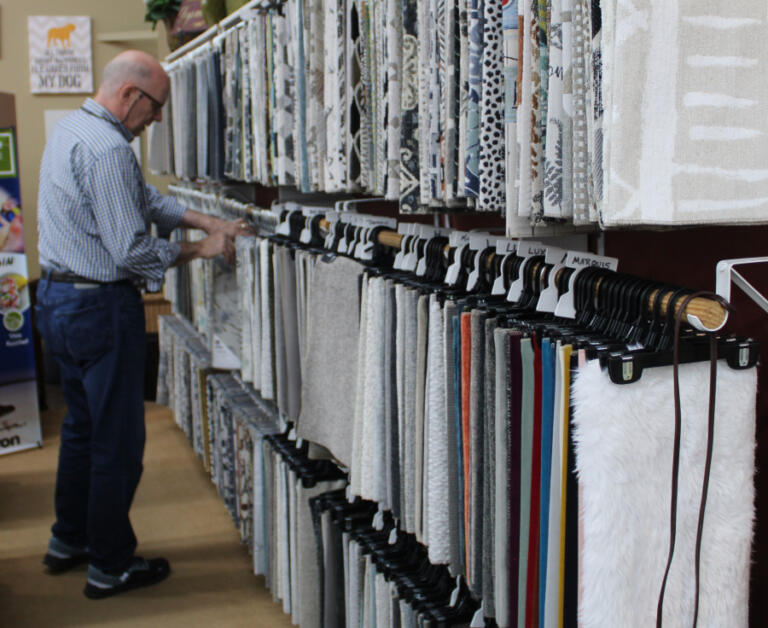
(176, 514)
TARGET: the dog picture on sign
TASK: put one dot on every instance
(60, 34)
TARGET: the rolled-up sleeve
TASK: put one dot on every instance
(122, 214)
(165, 211)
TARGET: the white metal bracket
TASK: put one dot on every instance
(727, 274)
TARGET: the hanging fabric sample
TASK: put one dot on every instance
(410, 180)
(557, 196)
(692, 151)
(327, 399)
(355, 95)
(626, 507)
(491, 156)
(315, 32)
(394, 48)
(334, 95)
(285, 90)
(475, 33)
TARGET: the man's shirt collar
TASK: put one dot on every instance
(100, 111)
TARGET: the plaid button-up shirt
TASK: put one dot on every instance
(94, 207)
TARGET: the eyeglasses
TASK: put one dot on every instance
(156, 104)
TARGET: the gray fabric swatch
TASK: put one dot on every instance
(489, 469)
(267, 322)
(502, 577)
(476, 450)
(391, 425)
(438, 497)
(422, 321)
(328, 386)
(452, 463)
(526, 462)
(291, 401)
(411, 361)
(356, 464)
(373, 476)
(307, 574)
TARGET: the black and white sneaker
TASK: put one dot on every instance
(62, 556)
(141, 573)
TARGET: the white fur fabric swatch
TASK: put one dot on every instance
(624, 443)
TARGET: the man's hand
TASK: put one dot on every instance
(212, 225)
(220, 243)
(217, 244)
(233, 228)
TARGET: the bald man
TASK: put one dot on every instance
(96, 251)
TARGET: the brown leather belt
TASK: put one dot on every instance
(53, 275)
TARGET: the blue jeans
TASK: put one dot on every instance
(96, 334)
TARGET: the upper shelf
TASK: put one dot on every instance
(119, 36)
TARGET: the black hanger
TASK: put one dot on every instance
(627, 367)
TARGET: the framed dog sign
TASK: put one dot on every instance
(60, 57)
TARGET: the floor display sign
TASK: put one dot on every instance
(19, 412)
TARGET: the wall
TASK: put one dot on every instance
(107, 17)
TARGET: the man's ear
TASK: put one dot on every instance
(126, 93)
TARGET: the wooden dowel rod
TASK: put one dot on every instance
(711, 314)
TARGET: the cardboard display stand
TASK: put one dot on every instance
(19, 412)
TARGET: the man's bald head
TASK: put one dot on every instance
(133, 87)
(131, 66)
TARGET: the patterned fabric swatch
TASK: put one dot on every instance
(559, 123)
(394, 69)
(537, 104)
(511, 92)
(409, 144)
(426, 28)
(354, 95)
(581, 38)
(335, 96)
(472, 164)
(316, 138)
(492, 191)
(284, 84)
(524, 126)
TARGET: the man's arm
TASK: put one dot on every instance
(169, 214)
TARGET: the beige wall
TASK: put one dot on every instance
(106, 17)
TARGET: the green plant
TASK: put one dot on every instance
(158, 10)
